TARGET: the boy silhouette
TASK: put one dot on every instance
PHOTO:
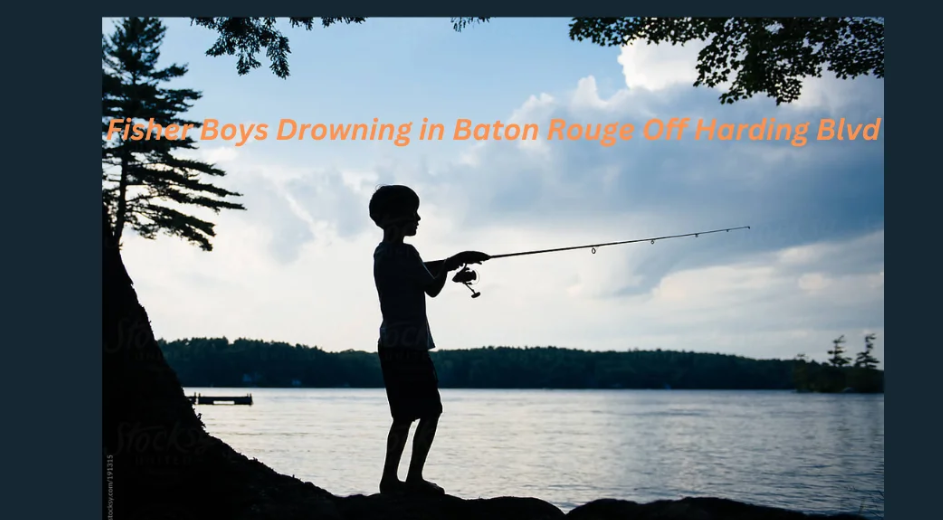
(403, 281)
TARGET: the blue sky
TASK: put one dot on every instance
(296, 266)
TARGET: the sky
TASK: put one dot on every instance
(296, 266)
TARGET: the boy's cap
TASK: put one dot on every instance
(392, 200)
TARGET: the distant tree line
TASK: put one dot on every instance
(841, 373)
(204, 362)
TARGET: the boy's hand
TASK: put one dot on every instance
(467, 257)
(473, 257)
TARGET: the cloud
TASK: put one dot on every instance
(218, 154)
(656, 67)
(328, 197)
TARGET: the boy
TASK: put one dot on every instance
(403, 280)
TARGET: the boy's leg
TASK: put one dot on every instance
(428, 395)
(422, 442)
(395, 444)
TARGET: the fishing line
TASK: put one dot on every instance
(466, 275)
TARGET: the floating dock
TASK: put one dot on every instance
(206, 399)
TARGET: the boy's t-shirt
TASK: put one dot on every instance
(401, 276)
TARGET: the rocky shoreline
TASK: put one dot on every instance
(222, 483)
(377, 507)
(228, 485)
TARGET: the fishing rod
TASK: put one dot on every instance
(466, 275)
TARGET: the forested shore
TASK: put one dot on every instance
(206, 362)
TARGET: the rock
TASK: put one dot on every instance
(690, 509)
(446, 507)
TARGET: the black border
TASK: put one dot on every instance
(53, 412)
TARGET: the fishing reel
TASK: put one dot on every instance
(466, 276)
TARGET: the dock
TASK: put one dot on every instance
(206, 399)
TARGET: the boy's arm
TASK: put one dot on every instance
(430, 276)
(435, 266)
(440, 273)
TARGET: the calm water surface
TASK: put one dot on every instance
(814, 453)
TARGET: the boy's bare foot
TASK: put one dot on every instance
(424, 487)
(391, 487)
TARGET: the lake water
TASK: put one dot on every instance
(808, 452)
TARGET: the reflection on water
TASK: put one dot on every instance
(815, 453)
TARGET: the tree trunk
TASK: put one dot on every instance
(122, 211)
(163, 463)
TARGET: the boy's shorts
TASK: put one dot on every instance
(412, 385)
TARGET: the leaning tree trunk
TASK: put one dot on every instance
(164, 464)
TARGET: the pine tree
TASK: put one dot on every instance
(837, 353)
(145, 185)
(865, 359)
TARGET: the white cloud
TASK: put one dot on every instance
(218, 154)
(814, 283)
(586, 99)
(655, 67)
